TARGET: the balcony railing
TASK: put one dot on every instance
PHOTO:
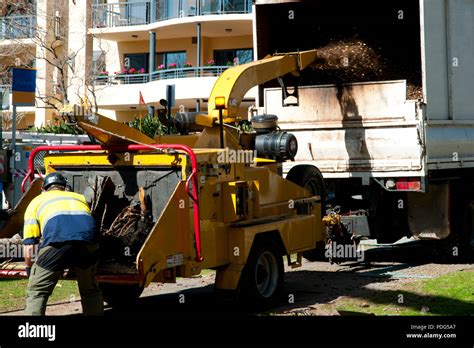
(122, 79)
(204, 71)
(121, 14)
(165, 74)
(146, 12)
(17, 27)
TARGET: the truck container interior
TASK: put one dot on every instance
(359, 41)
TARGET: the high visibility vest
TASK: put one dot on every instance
(58, 216)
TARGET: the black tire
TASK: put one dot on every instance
(310, 178)
(261, 281)
(119, 295)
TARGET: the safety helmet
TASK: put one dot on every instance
(54, 179)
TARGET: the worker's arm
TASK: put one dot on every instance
(31, 234)
(29, 251)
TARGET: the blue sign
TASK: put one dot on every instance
(23, 87)
(24, 80)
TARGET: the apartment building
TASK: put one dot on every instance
(112, 52)
(143, 46)
(17, 48)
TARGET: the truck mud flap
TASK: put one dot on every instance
(428, 214)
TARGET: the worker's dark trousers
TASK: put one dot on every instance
(42, 282)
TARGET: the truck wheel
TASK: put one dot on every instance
(117, 295)
(310, 178)
(262, 277)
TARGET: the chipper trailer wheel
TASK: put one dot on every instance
(310, 178)
(117, 295)
(262, 278)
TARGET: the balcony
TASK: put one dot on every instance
(121, 92)
(165, 74)
(146, 12)
(17, 27)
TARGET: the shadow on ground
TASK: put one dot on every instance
(308, 288)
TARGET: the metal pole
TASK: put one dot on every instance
(168, 115)
(199, 63)
(221, 128)
(198, 38)
(151, 63)
(14, 155)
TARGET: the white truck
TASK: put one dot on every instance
(398, 163)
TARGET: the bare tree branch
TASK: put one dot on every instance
(47, 43)
(7, 119)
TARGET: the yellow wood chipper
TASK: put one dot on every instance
(174, 205)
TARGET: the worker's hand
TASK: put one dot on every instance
(28, 271)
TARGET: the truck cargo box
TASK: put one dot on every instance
(399, 104)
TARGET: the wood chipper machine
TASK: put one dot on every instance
(212, 197)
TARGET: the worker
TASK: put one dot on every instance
(61, 222)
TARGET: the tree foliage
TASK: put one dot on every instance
(148, 125)
(58, 127)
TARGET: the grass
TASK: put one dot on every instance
(450, 294)
(13, 293)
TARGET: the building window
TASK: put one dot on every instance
(140, 61)
(188, 8)
(137, 61)
(224, 6)
(167, 59)
(98, 62)
(136, 12)
(227, 57)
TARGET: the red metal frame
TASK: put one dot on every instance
(13, 273)
(194, 195)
